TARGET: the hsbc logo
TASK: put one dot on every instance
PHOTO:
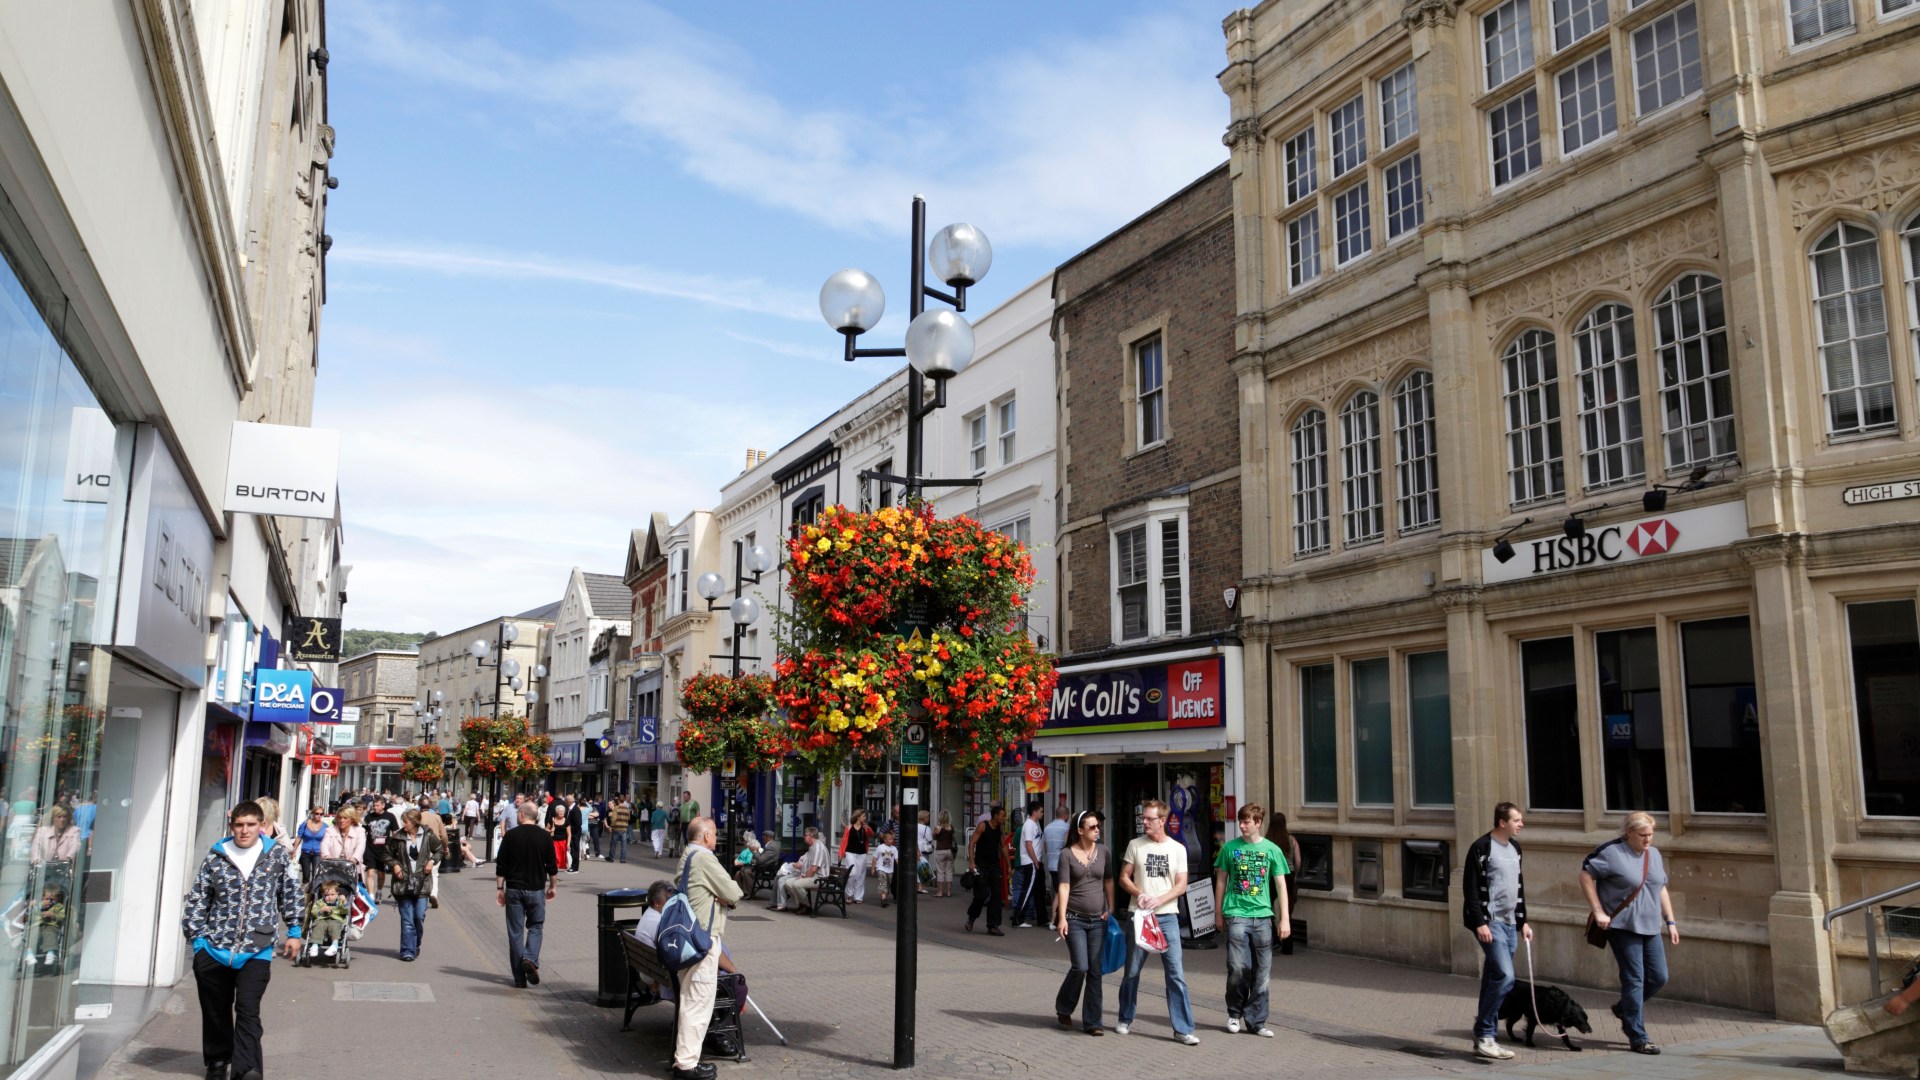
(1653, 537)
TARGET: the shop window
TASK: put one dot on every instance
(1424, 870)
(1723, 717)
(1633, 733)
(1884, 643)
(1318, 755)
(1430, 729)
(1316, 862)
(1367, 871)
(1372, 704)
(1553, 737)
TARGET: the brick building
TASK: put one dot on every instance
(1149, 704)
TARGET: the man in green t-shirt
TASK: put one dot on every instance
(1247, 879)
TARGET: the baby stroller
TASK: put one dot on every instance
(344, 874)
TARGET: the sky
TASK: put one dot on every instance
(578, 245)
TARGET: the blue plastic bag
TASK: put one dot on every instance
(1113, 956)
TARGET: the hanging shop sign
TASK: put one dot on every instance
(1039, 778)
(282, 696)
(324, 764)
(1877, 493)
(324, 707)
(164, 575)
(1148, 697)
(283, 470)
(1698, 529)
(312, 640)
(567, 755)
(90, 457)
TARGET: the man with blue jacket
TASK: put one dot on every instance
(244, 890)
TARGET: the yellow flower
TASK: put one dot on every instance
(824, 544)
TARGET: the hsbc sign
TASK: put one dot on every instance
(1696, 529)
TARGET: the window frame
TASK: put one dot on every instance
(1300, 467)
(1624, 367)
(1632, 34)
(975, 423)
(1854, 733)
(1523, 41)
(1794, 42)
(1404, 493)
(1550, 426)
(1151, 519)
(1347, 136)
(1136, 353)
(1007, 416)
(1553, 24)
(1362, 474)
(1389, 186)
(1299, 186)
(1608, 114)
(1295, 278)
(1381, 96)
(1361, 211)
(1849, 291)
(1539, 159)
(1668, 299)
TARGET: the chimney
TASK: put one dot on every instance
(754, 457)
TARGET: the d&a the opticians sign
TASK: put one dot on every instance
(1697, 529)
(1150, 697)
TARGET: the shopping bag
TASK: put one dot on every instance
(924, 871)
(365, 909)
(1113, 955)
(1146, 930)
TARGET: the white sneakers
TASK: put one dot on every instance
(1123, 1029)
(1265, 1033)
(1487, 1048)
(1233, 1025)
(333, 948)
(1190, 1039)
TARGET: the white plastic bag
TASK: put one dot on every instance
(1146, 931)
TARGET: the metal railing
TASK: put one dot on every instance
(1873, 938)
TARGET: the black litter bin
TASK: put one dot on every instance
(613, 959)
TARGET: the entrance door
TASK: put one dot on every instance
(1132, 786)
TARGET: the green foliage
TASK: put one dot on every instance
(355, 642)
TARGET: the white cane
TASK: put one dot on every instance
(763, 1017)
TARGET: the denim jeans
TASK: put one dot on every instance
(1086, 939)
(1028, 882)
(1249, 965)
(1496, 977)
(413, 924)
(1179, 1009)
(1643, 971)
(526, 916)
(617, 842)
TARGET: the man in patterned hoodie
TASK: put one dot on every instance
(245, 889)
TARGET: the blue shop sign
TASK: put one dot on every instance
(282, 696)
(649, 731)
(566, 755)
(1150, 697)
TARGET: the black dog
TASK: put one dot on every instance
(1556, 1009)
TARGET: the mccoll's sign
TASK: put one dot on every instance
(1696, 529)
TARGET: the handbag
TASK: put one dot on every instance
(967, 879)
(1113, 954)
(1597, 937)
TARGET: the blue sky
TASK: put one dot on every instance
(578, 245)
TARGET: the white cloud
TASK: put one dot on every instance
(1061, 141)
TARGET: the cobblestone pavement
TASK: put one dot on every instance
(985, 1009)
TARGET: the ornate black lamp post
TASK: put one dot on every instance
(505, 669)
(748, 565)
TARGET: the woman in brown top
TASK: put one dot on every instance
(943, 856)
(1082, 903)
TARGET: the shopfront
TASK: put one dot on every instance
(1165, 726)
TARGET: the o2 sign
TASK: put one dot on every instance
(282, 696)
(324, 706)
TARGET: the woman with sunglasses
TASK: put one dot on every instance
(1083, 900)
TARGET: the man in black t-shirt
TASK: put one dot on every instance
(560, 830)
(523, 881)
(381, 827)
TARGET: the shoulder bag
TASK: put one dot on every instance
(1596, 936)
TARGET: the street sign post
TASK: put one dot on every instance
(914, 748)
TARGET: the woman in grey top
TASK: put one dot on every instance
(1082, 903)
(1634, 915)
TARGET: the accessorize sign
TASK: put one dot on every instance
(1697, 529)
(311, 640)
(283, 470)
(166, 566)
(1150, 697)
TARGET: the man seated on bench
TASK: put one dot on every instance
(807, 871)
(766, 856)
(648, 931)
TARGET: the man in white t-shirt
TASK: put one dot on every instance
(1154, 873)
(1028, 879)
(470, 815)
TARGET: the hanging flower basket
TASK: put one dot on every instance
(502, 748)
(981, 693)
(422, 764)
(726, 717)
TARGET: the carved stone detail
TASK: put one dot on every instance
(1430, 13)
(1626, 264)
(1370, 362)
(1871, 181)
(1241, 130)
(1458, 598)
(1762, 552)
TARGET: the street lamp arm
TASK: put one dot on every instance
(957, 298)
(861, 354)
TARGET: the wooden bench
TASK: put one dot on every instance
(831, 890)
(763, 878)
(644, 972)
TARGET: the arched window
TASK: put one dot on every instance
(1311, 534)
(1910, 245)
(1361, 511)
(1850, 312)
(1416, 462)
(1696, 383)
(1611, 450)
(1535, 466)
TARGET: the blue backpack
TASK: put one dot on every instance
(681, 942)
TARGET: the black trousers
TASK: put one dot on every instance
(986, 894)
(230, 1011)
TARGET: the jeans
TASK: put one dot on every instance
(230, 1011)
(1249, 965)
(1643, 971)
(413, 925)
(1086, 940)
(617, 842)
(1179, 1009)
(594, 834)
(1496, 977)
(1028, 882)
(526, 916)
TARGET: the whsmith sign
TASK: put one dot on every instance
(1150, 697)
(1674, 533)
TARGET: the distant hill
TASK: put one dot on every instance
(361, 641)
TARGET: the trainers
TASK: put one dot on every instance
(1233, 1025)
(1265, 1032)
(333, 949)
(1189, 1039)
(1487, 1048)
(1123, 1029)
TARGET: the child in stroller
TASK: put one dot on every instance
(329, 909)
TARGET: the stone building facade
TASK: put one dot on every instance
(1149, 499)
(1576, 346)
(384, 685)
